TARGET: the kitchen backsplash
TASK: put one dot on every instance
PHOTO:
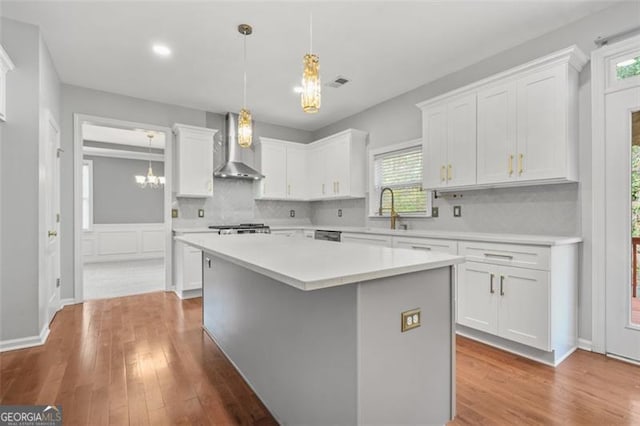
(233, 202)
(548, 209)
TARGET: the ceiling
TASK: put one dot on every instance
(385, 48)
(117, 136)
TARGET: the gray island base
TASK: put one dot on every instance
(335, 354)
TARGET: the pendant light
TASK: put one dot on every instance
(244, 118)
(149, 180)
(310, 96)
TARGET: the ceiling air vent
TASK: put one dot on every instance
(339, 81)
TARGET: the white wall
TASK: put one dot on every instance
(563, 209)
(32, 87)
(93, 102)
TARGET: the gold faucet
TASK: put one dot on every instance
(394, 215)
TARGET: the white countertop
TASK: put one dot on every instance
(311, 264)
(537, 240)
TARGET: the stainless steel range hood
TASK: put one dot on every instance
(233, 166)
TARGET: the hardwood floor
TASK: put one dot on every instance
(145, 360)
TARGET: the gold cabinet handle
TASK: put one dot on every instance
(520, 167)
(323, 189)
(491, 277)
(442, 174)
(501, 285)
(338, 186)
(450, 172)
(52, 234)
(288, 189)
(334, 188)
(510, 165)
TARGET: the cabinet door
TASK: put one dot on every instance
(338, 163)
(524, 306)
(195, 164)
(316, 163)
(434, 131)
(461, 141)
(478, 297)
(542, 137)
(274, 169)
(497, 134)
(297, 172)
(192, 272)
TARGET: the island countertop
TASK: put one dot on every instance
(312, 264)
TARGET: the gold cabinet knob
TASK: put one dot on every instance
(52, 233)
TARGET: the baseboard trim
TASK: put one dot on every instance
(25, 342)
(188, 294)
(66, 302)
(584, 344)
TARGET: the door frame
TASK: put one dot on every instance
(78, 121)
(599, 90)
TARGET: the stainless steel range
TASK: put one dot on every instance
(243, 228)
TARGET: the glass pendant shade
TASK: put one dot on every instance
(310, 96)
(244, 128)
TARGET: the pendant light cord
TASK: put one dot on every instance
(244, 92)
(310, 33)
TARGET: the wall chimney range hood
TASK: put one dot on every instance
(233, 166)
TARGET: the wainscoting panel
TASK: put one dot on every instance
(127, 241)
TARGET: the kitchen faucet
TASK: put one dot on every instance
(394, 214)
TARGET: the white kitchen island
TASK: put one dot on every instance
(315, 327)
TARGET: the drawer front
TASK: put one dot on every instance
(533, 257)
(370, 239)
(427, 244)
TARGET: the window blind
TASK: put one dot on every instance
(401, 171)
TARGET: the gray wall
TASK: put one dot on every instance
(562, 210)
(31, 88)
(233, 199)
(93, 102)
(116, 196)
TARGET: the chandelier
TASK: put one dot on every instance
(310, 95)
(149, 180)
(244, 118)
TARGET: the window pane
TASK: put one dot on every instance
(628, 68)
(85, 214)
(402, 172)
(85, 181)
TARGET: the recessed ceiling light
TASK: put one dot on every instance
(298, 89)
(161, 50)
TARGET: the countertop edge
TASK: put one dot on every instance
(326, 283)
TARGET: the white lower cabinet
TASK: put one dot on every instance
(187, 271)
(509, 302)
(287, 232)
(426, 244)
(370, 239)
(504, 304)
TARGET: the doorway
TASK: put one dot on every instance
(122, 208)
(617, 201)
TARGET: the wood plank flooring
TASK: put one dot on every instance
(144, 360)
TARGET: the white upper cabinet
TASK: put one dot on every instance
(284, 166)
(273, 160)
(339, 162)
(5, 66)
(331, 168)
(194, 161)
(297, 172)
(523, 131)
(496, 133)
(450, 143)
